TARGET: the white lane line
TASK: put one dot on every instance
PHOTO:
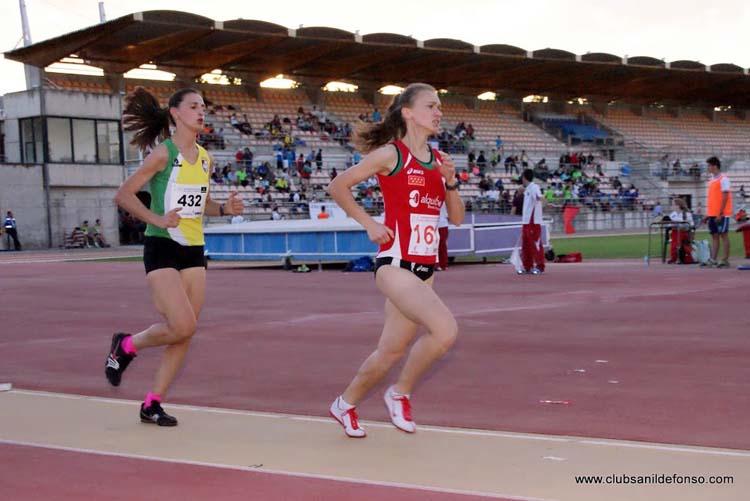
(422, 428)
(275, 472)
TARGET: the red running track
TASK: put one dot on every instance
(674, 338)
(49, 474)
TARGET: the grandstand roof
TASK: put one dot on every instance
(190, 45)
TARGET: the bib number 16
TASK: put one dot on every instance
(424, 235)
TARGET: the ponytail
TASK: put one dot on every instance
(368, 137)
(149, 121)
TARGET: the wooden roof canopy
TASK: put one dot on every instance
(190, 45)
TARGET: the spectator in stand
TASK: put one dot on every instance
(510, 165)
(549, 195)
(323, 214)
(334, 173)
(247, 158)
(263, 170)
(481, 163)
(319, 159)
(524, 159)
(574, 159)
(494, 159)
(241, 176)
(376, 117)
(244, 125)
(470, 132)
(464, 176)
(220, 138)
(517, 204)
(541, 171)
(472, 159)
(275, 215)
(232, 177)
(282, 185)
(305, 174)
(499, 185)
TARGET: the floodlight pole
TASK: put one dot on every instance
(33, 78)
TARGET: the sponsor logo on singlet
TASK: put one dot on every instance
(415, 180)
(432, 203)
(414, 198)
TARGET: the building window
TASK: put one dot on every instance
(108, 142)
(60, 142)
(85, 141)
(32, 145)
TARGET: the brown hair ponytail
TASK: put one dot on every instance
(149, 121)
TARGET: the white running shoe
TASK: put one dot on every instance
(347, 419)
(399, 409)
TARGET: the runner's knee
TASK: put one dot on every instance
(446, 335)
(183, 329)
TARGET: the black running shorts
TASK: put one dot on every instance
(159, 252)
(423, 271)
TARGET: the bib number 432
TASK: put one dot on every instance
(190, 198)
(424, 235)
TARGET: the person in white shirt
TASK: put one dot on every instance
(532, 250)
(275, 214)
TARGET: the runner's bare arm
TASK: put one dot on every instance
(380, 161)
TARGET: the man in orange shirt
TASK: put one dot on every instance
(718, 212)
(323, 214)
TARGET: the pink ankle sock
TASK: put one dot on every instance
(127, 345)
(151, 397)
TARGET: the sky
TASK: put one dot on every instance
(709, 32)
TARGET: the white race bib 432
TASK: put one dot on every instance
(424, 235)
(190, 197)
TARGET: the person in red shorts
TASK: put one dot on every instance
(415, 181)
(532, 249)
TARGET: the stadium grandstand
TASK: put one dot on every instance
(609, 134)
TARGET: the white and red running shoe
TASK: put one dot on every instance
(348, 419)
(399, 409)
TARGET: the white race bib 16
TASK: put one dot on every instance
(190, 197)
(424, 235)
